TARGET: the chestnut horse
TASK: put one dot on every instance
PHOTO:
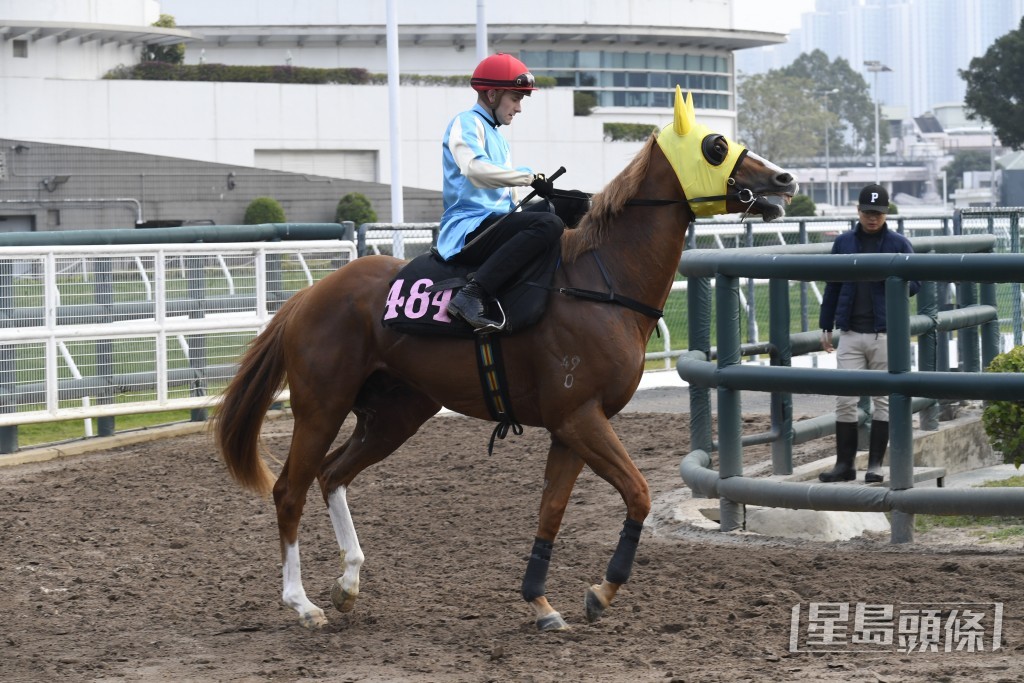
(570, 372)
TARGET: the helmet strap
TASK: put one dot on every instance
(493, 107)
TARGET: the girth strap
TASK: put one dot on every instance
(495, 382)
(609, 297)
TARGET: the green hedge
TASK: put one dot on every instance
(1004, 420)
(263, 210)
(628, 132)
(355, 207)
(161, 71)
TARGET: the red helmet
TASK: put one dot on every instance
(502, 72)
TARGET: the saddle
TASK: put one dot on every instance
(418, 296)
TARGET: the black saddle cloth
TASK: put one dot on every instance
(418, 296)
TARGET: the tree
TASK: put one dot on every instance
(583, 102)
(780, 117)
(802, 205)
(263, 210)
(995, 87)
(964, 161)
(852, 102)
(168, 54)
(355, 207)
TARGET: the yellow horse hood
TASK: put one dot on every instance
(683, 145)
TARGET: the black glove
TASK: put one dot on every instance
(542, 186)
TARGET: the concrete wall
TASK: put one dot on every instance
(108, 189)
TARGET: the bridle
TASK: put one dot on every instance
(744, 195)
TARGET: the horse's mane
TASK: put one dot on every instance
(606, 205)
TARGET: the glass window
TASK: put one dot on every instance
(657, 80)
(619, 79)
(662, 99)
(657, 60)
(637, 99)
(588, 59)
(618, 98)
(636, 80)
(698, 100)
(563, 77)
(708, 63)
(692, 63)
(608, 78)
(613, 60)
(588, 78)
(677, 62)
(536, 60)
(636, 60)
(561, 60)
(723, 65)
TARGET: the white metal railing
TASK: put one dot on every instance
(139, 328)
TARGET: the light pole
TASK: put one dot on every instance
(828, 181)
(874, 66)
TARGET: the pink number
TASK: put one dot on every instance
(419, 300)
(440, 301)
(395, 300)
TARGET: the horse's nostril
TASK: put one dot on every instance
(784, 179)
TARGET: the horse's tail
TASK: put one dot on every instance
(244, 404)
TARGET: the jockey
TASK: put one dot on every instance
(479, 192)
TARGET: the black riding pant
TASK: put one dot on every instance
(510, 246)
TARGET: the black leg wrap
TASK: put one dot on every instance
(622, 561)
(537, 570)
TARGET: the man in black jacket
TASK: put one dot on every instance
(858, 309)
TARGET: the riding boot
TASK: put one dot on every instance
(876, 450)
(470, 305)
(846, 454)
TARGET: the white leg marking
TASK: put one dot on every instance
(345, 531)
(294, 595)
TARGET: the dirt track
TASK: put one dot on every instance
(148, 564)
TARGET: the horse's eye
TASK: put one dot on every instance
(715, 148)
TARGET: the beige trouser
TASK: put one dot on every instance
(860, 351)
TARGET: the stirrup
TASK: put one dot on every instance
(494, 326)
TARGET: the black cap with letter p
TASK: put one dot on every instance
(873, 198)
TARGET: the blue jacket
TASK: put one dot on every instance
(479, 178)
(837, 301)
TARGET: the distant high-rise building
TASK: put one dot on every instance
(923, 42)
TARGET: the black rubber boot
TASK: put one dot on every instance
(469, 304)
(876, 451)
(846, 454)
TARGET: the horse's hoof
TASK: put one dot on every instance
(594, 604)
(343, 600)
(552, 622)
(313, 620)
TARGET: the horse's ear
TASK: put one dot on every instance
(684, 115)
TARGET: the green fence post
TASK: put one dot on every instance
(969, 358)
(782, 403)
(927, 358)
(730, 422)
(901, 432)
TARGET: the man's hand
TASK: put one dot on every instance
(542, 186)
(826, 341)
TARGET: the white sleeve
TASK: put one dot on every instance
(476, 168)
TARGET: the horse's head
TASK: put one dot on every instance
(719, 175)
